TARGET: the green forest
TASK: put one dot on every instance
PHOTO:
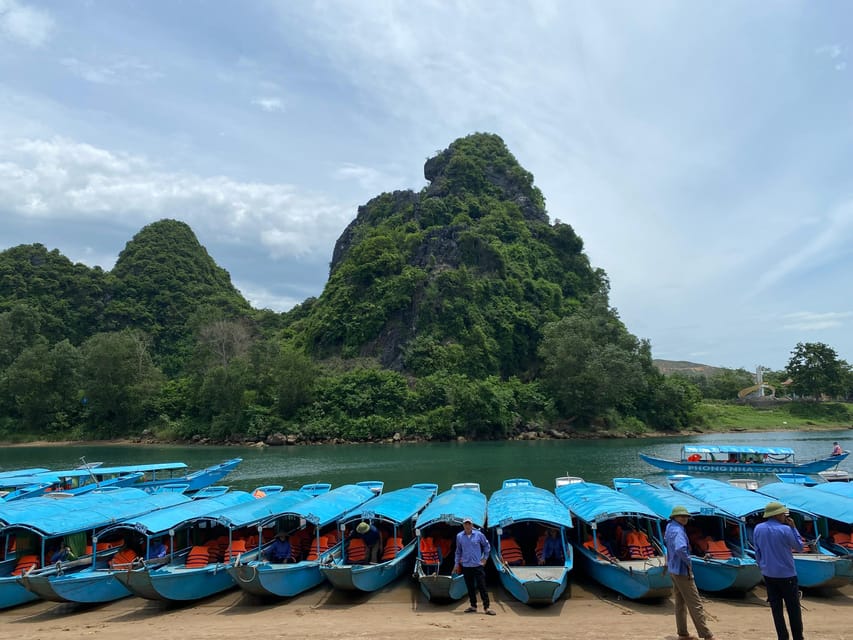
(457, 311)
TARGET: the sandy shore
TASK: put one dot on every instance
(400, 612)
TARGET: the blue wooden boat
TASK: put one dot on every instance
(844, 489)
(605, 519)
(41, 526)
(697, 458)
(19, 487)
(314, 523)
(436, 528)
(520, 516)
(834, 513)
(205, 545)
(393, 514)
(92, 580)
(723, 565)
(815, 568)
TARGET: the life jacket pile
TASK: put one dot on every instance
(511, 552)
(25, 563)
(198, 557)
(717, 549)
(598, 547)
(356, 551)
(122, 559)
(842, 539)
(393, 546)
(430, 554)
(639, 546)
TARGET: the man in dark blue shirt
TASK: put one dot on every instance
(372, 539)
(775, 541)
(280, 550)
(472, 553)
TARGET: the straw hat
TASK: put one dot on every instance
(362, 527)
(678, 510)
(774, 509)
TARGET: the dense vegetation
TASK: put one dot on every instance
(456, 311)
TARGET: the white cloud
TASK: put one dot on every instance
(809, 321)
(122, 70)
(370, 179)
(270, 105)
(262, 298)
(24, 24)
(60, 179)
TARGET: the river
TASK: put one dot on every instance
(488, 463)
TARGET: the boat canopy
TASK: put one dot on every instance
(738, 502)
(519, 502)
(262, 509)
(397, 506)
(732, 448)
(132, 468)
(836, 488)
(595, 502)
(817, 502)
(454, 505)
(662, 500)
(329, 507)
(89, 511)
(164, 519)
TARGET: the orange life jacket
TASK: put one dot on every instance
(123, 558)
(511, 552)
(429, 552)
(639, 546)
(320, 547)
(356, 551)
(238, 546)
(25, 563)
(842, 539)
(718, 549)
(393, 546)
(598, 547)
(199, 557)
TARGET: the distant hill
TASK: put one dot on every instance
(667, 367)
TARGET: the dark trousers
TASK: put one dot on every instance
(785, 591)
(475, 580)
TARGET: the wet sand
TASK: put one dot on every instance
(401, 612)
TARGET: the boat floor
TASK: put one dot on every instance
(538, 573)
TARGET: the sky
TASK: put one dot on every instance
(698, 148)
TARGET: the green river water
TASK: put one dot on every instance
(398, 465)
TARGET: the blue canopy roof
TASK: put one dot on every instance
(661, 500)
(817, 502)
(397, 506)
(130, 468)
(263, 509)
(738, 502)
(329, 507)
(87, 512)
(594, 502)
(21, 472)
(526, 502)
(164, 519)
(736, 448)
(837, 488)
(454, 505)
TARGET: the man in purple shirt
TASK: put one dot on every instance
(472, 553)
(775, 541)
(678, 562)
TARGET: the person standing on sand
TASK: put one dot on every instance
(678, 562)
(472, 553)
(776, 539)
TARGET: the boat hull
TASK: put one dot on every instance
(12, 593)
(442, 587)
(84, 587)
(533, 585)
(821, 570)
(175, 583)
(281, 580)
(732, 575)
(630, 578)
(678, 466)
(367, 577)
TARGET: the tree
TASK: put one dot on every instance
(592, 363)
(816, 370)
(120, 382)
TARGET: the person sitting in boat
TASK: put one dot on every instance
(372, 539)
(552, 550)
(280, 551)
(157, 549)
(836, 449)
(63, 553)
(732, 457)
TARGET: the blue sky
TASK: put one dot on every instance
(702, 149)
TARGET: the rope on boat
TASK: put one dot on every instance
(253, 576)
